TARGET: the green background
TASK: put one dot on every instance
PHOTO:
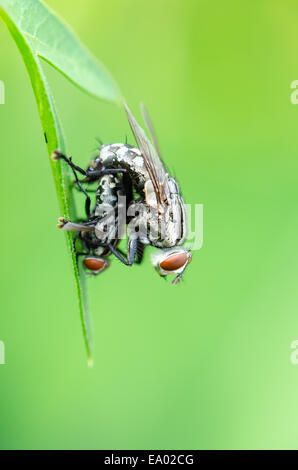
(202, 365)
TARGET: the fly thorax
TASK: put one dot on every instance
(108, 154)
(131, 158)
(126, 157)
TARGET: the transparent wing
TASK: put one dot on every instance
(151, 130)
(153, 162)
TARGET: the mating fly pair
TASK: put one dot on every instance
(156, 212)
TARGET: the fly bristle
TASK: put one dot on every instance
(95, 154)
(99, 140)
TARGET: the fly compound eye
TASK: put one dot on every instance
(96, 265)
(174, 262)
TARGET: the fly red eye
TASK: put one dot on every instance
(94, 264)
(174, 261)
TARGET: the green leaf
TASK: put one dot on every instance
(37, 33)
(49, 38)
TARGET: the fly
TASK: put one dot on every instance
(101, 228)
(157, 217)
(161, 213)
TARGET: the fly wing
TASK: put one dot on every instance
(151, 130)
(153, 162)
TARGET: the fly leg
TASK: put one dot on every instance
(69, 226)
(81, 188)
(127, 184)
(95, 174)
(140, 252)
(178, 278)
(87, 190)
(131, 253)
(56, 155)
(85, 253)
(89, 175)
(77, 236)
(74, 242)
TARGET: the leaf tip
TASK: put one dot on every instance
(90, 362)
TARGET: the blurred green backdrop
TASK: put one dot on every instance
(205, 364)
